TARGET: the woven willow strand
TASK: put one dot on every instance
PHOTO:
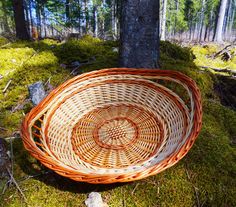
(114, 125)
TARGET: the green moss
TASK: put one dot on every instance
(204, 57)
(207, 173)
(98, 53)
(3, 41)
(175, 52)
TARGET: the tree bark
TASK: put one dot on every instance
(67, 11)
(140, 34)
(202, 20)
(220, 21)
(95, 16)
(20, 23)
(114, 18)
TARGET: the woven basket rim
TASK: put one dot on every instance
(122, 177)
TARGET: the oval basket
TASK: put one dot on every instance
(115, 125)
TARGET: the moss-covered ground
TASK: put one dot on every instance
(206, 176)
(205, 56)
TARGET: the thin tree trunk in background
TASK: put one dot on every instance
(79, 17)
(140, 34)
(176, 14)
(103, 21)
(67, 11)
(27, 15)
(86, 16)
(95, 16)
(52, 30)
(202, 16)
(220, 21)
(226, 18)
(114, 18)
(163, 23)
(38, 17)
(20, 24)
(31, 17)
(206, 32)
(232, 20)
(44, 21)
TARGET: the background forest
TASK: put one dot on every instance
(183, 20)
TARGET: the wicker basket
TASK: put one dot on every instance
(115, 125)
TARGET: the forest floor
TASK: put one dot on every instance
(206, 176)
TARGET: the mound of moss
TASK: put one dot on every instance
(204, 177)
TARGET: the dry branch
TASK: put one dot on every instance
(225, 49)
(6, 87)
(224, 70)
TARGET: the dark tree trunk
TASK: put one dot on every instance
(19, 17)
(67, 11)
(38, 17)
(31, 16)
(140, 34)
(27, 16)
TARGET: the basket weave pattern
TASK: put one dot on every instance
(115, 125)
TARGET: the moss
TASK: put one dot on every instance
(204, 57)
(98, 53)
(3, 41)
(206, 174)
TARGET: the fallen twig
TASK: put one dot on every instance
(20, 106)
(223, 50)
(5, 45)
(134, 188)
(12, 180)
(6, 87)
(34, 176)
(224, 70)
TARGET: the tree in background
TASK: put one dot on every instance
(181, 20)
(20, 23)
(139, 34)
(220, 21)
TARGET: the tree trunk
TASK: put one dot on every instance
(38, 17)
(67, 11)
(202, 20)
(44, 21)
(86, 16)
(232, 20)
(31, 17)
(25, 3)
(140, 34)
(176, 14)
(95, 16)
(19, 17)
(220, 21)
(114, 19)
(163, 23)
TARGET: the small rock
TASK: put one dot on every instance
(37, 92)
(13, 60)
(1, 76)
(75, 64)
(115, 49)
(95, 200)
